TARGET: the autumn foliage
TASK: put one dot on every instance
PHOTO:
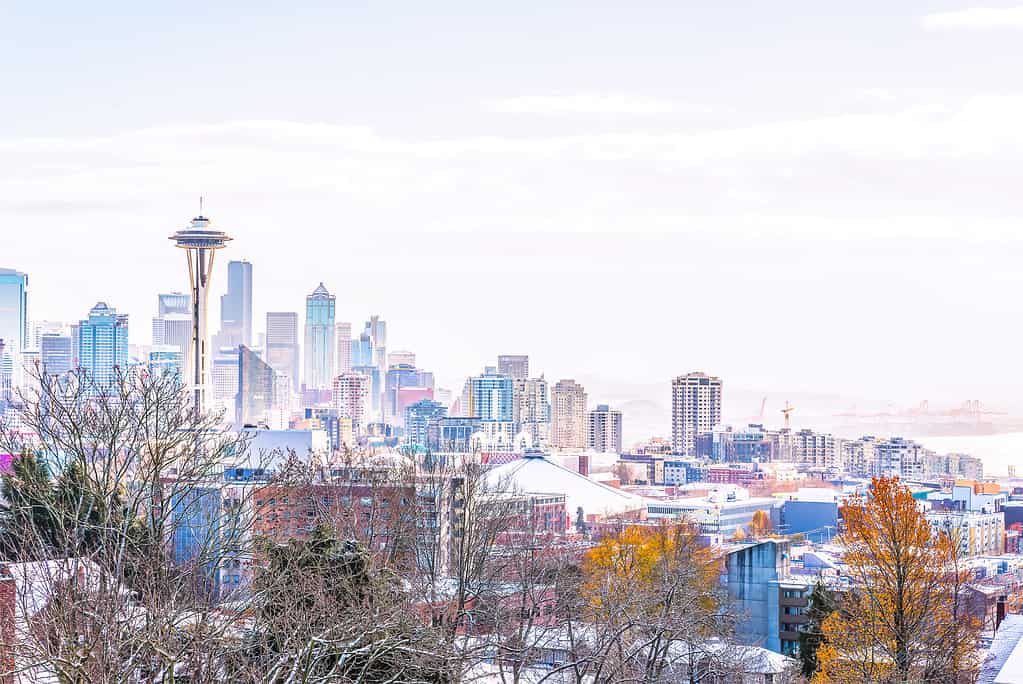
(902, 619)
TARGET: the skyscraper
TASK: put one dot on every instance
(13, 311)
(55, 353)
(103, 344)
(282, 344)
(418, 420)
(695, 410)
(531, 409)
(254, 403)
(343, 331)
(605, 433)
(224, 382)
(174, 328)
(236, 306)
(569, 426)
(515, 367)
(320, 345)
(351, 398)
(490, 397)
(200, 243)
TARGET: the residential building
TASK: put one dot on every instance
(816, 450)
(351, 399)
(978, 534)
(901, 457)
(772, 602)
(695, 410)
(531, 409)
(418, 419)
(515, 367)
(320, 343)
(103, 344)
(569, 426)
(490, 397)
(605, 431)
(282, 344)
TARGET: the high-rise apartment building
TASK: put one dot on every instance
(490, 397)
(351, 399)
(816, 450)
(515, 367)
(605, 430)
(420, 417)
(531, 409)
(103, 344)
(55, 353)
(343, 332)
(695, 410)
(13, 311)
(282, 344)
(236, 307)
(320, 344)
(569, 425)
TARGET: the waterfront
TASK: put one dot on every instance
(998, 451)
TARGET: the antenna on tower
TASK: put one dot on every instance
(200, 205)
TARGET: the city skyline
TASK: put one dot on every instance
(783, 178)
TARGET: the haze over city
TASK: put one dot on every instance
(821, 201)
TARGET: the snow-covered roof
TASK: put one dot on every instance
(1004, 661)
(537, 474)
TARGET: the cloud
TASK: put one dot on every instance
(976, 18)
(607, 103)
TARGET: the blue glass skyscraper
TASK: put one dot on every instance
(490, 396)
(103, 344)
(13, 310)
(236, 306)
(319, 339)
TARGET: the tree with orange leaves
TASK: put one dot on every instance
(760, 525)
(652, 610)
(903, 620)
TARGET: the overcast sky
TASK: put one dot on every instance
(795, 196)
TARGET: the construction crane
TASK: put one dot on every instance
(787, 411)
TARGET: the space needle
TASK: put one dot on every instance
(200, 242)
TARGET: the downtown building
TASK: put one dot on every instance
(263, 393)
(282, 349)
(695, 410)
(605, 430)
(515, 367)
(236, 307)
(103, 345)
(569, 423)
(350, 398)
(320, 342)
(531, 409)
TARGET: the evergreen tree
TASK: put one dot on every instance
(821, 605)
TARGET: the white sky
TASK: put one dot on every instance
(792, 195)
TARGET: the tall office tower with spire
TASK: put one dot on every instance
(569, 426)
(236, 307)
(200, 242)
(695, 410)
(13, 311)
(343, 332)
(605, 430)
(103, 344)
(320, 342)
(515, 367)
